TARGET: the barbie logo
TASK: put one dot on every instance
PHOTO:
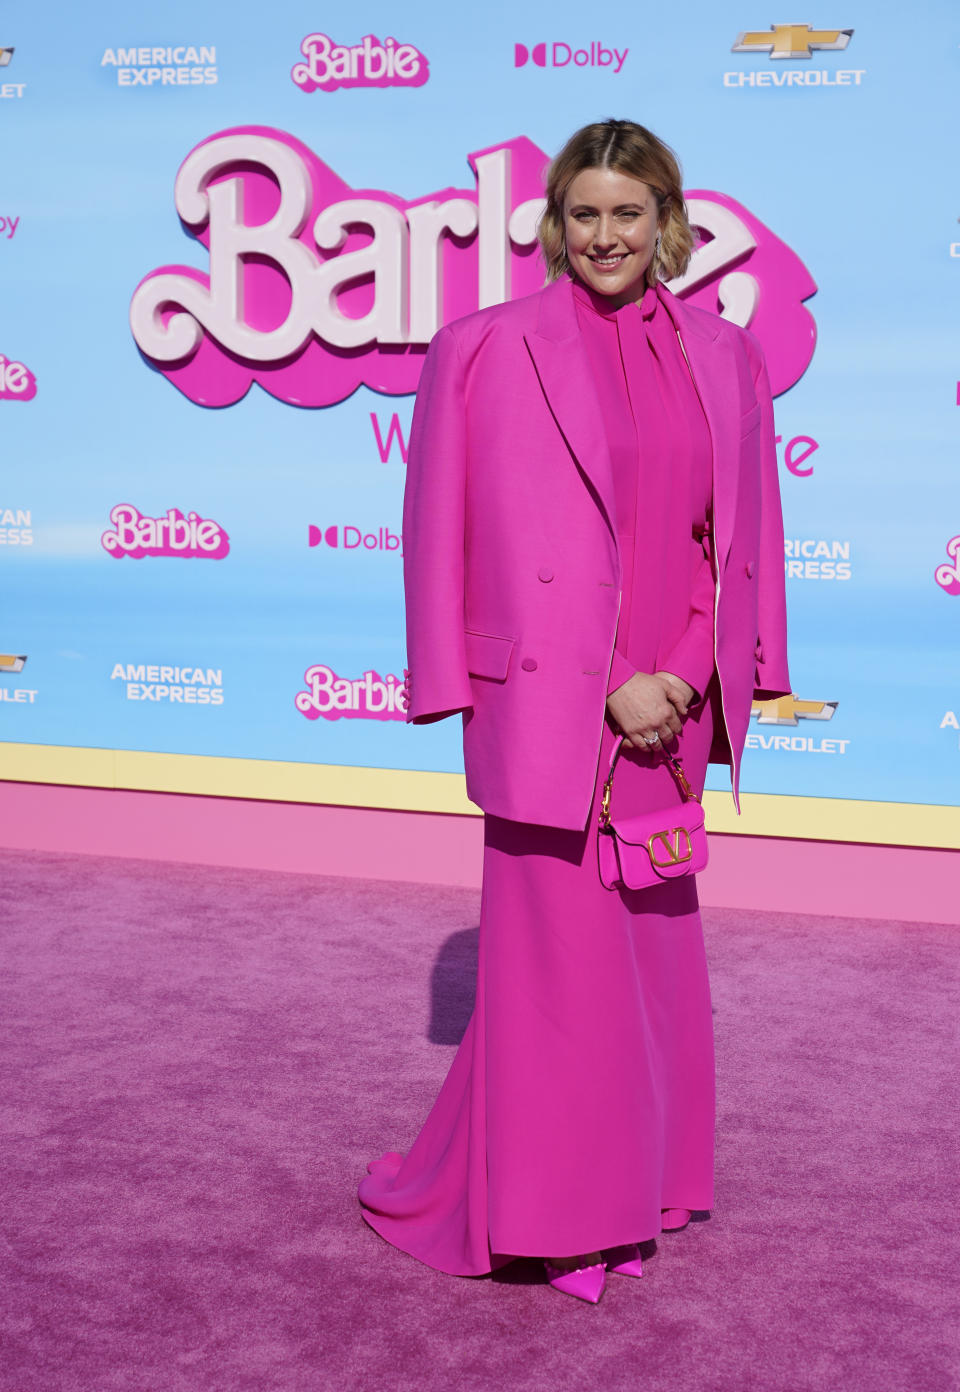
(370, 697)
(315, 288)
(947, 575)
(17, 383)
(173, 535)
(369, 63)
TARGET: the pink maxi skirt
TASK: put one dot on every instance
(581, 1100)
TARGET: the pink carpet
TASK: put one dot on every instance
(197, 1064)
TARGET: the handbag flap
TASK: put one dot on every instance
(637, 830)
(669, 853)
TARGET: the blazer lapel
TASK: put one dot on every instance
(710, 368)
(566, 377)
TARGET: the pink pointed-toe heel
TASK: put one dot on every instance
(624, 1261)
(585, 1282)
(674, 1219)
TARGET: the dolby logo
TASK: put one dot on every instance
(563, 55)
(350, 538)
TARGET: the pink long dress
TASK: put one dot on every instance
(581, 1100)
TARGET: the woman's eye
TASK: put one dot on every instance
(628, 216)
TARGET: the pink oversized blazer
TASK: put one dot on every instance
(511, 568)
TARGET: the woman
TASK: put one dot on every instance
(593, 549)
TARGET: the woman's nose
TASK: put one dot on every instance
(605, 235)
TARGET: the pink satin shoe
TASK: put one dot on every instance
(585, 1282)
(625, 1261)
(674, 1219)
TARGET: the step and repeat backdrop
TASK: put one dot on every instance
(227, 235)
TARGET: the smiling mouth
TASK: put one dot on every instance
(609, 263)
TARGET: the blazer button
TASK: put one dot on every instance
(529, 664)
(545, 574)
(749, 567)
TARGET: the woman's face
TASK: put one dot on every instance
(610, 224)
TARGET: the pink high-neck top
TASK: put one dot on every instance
(661, 454)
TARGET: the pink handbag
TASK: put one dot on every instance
(637, 852)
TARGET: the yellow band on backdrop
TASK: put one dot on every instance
(807, 818)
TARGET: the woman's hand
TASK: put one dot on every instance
(643, 708)
(679, 692)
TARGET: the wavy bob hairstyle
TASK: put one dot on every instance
(629, 149)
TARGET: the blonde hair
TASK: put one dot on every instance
(629, 149)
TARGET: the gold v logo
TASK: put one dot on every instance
(669, 847)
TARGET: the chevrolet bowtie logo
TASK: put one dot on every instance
(791, 40)
(11, 662)
(786, 710)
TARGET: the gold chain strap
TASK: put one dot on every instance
(676, 768)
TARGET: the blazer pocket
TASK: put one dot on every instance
(488, 655)
(750, 420)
